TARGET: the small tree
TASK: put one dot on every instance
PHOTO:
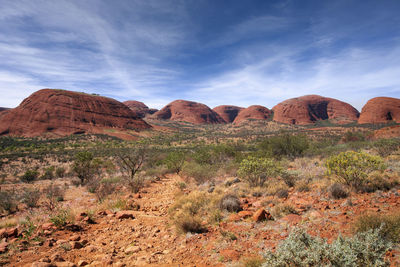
(131, 163)
(30, 176)
(85, 166)
(175, 161)
(257, 170)
(352, 168)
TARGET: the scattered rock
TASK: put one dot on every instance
(65, 264)
(292, 219)
(245, 214)
(230, 254)
(132, 249)
(3, 247)
(82, 263)
(75, 238)
(48, 226)
(75, 245)
(125, 214)
(56, 257)
(261, 215)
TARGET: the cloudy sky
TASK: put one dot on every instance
(214, 52)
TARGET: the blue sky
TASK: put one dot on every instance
(215, 52)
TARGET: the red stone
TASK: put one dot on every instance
(228, 113)
(261, 215)
(254, 112)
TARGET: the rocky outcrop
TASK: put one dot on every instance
(139, 108)
(311, 108)
(61, 112)
(228, 113)
(3, 109)
(254, 112)
(380, 110)
(188, 111)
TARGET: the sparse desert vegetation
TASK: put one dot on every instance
(244, 198)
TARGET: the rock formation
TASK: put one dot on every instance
(380, 110)
(61, 112)
(311, 108)
(254, 112)
(228, 113)
(140, 108)
(188, 111)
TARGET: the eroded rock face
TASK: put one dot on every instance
(61, 112)
(188, 111)
(3, 109)
(140, 108)
(228, 113)
(380, 110)
(254, 112)
(311, 108)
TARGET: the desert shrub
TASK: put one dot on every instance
(53, 195)
(175, 161)
(117, 204)
(379, 181)
(203, 156)
(215, 216)
(29, 176)
(303, 186)
(389, 225)
(256, 171)
(230, 203)
(30, 197)
(85, 166)
(352, 168)
(188, 211)
(48, 173)
(385, 147)
(131, 162)
(282, 193)
(61, 218)
(351, 136)
(8, 202)
(60, 172)
(302, 250)
(289, 177)
(285, 145)
(201, 173)
(252, 262)
(338, 191)
(106, 187)
(282, 210)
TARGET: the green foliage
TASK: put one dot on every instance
(256, 171)
(30, 176)
(48, 173)
(389, 225)
(285, 145)
(351, 136)
(352, 168)
(61, 218)
(302, 250)
(175, 161)
(85, 166)
(201, 173)
(385, 147)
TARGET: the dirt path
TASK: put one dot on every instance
(146, 240)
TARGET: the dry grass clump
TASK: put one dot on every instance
(282, 210)
(389, 224)
(188, 212)
(230, 202)
(338, 191)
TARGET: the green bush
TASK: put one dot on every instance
(29, 176)
(48, 173)
(285, 145)
(201, 173)
(61, 218)
(302, 250)
(60, 172)
(85, 166)
(385, 147)
(352, 168)
(256, 171)
(175, 161)
(389, 225)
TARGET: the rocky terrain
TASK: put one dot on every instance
(380, 110)
(59, 113)
(140, 108)
(254, 112)
(188, 111)
(311, 108)
(228, 113)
